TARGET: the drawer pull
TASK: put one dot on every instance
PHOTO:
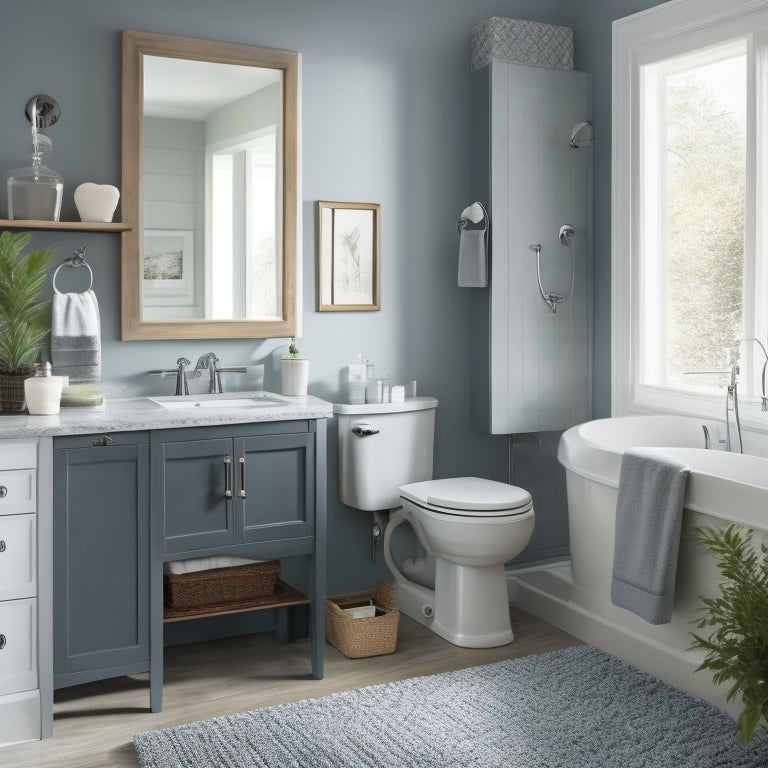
(2, 642)
(228, 477)
(2, 546)
(242, 477)
(3, 491)
(100, 441)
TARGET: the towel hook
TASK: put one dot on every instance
(77, 259)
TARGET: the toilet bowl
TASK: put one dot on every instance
(472, 527)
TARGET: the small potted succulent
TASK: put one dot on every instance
(294, 371)
(25, 320)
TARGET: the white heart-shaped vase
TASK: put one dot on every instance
(96, 202)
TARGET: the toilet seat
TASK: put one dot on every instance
(468, 497)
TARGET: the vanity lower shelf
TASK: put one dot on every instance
(284, 596)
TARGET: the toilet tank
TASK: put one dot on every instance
(381, 447)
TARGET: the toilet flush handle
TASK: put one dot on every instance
(364, 429)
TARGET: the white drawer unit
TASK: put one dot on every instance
(18, 460)
(18, 646)
(20, 702)
(18, 556)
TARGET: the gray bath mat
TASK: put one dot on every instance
(574, 708)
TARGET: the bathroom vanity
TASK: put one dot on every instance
(101, 499)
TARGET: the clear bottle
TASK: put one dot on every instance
(35, 192)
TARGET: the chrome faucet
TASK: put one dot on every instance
(180, 372)
(210, 362)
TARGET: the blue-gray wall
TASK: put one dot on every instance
(386, 119)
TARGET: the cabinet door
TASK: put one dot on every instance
(196, 487)
(100, 558)
(275, 486)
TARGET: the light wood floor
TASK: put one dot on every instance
(94, 723)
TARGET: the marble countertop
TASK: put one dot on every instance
(138, 413)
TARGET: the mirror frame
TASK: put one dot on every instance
(135, 46)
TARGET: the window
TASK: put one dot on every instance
(688, 284)
(243, 255)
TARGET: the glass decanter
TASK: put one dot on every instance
(35, 192)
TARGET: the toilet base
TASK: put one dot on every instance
(469, 608)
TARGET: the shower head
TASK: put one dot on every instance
(582, 135)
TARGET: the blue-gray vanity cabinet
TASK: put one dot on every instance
(256, 490)
(100, 556)
(236, 485)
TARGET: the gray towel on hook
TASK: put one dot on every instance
(473, 261)
(76, 336)
(649, 516)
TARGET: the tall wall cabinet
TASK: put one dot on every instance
(531, 364)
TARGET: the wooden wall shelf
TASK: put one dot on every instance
(64, 226)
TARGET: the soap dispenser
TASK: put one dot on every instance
(35, 192)
(43, 392)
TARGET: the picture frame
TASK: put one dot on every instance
(349, 257)
(168, 268)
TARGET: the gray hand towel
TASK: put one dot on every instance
(473, 268)
(76, 336)
(649, 515)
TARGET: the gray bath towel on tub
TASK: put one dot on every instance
(76, 336)
(649, 516)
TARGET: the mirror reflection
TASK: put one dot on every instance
(212, 178)
(210, 189)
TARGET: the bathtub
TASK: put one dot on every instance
(722, 488)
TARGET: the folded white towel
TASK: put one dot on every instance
(196, 564)
(76, 336)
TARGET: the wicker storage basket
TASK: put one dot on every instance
(217, 586)
(359, 638)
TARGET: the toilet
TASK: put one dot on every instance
(468, 526)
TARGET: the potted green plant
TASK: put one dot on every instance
(25, 320)
(737, 646)
(294, 372)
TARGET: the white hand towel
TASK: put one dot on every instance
(76, 336)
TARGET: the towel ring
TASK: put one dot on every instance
(72, 263)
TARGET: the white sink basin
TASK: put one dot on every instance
(189, 402)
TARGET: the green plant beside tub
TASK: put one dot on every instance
(737, 647)
(25, 320)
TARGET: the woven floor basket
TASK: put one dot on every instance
(359, 638)
(220, 585)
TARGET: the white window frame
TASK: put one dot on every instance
(656, 34)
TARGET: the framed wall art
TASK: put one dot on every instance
(349, 257)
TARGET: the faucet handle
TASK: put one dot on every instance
(181, 377)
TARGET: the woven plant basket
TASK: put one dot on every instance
(12, 390)
(218, 586)
(360, 638)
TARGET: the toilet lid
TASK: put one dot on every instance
(468, 495)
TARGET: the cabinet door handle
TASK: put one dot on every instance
(2, 642)
(228, 477)
(242, 477)
(2, 546)
(3, 491)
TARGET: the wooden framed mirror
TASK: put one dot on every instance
(210, 189)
